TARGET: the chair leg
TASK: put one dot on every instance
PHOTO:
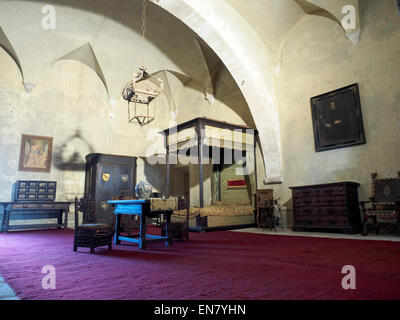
(365, 229)
(93, 241)
(376, 225)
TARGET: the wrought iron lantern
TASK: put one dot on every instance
(141, 91)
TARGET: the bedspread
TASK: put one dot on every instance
(219, 209)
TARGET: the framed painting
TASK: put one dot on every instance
(337, 119)
(36, 153)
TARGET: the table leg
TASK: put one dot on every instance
(66, 219)
(3, 217)
(59, 219)
(167, 216)
(142, 239)
(7, 222)
(117, 230)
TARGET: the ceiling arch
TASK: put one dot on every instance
(249, 53)
(335, 11)
(9, 49)
(248, 60)
(85, 54)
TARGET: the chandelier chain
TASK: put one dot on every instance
(144, 27)
(142, 90)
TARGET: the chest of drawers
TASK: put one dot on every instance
(30, 191)
(327, 206)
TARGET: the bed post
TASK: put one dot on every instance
(199, 130)
(255, 134)
(167, 193)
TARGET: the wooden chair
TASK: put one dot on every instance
(384, 203)
(90, 235)
(264, 209)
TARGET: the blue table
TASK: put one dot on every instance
(139, 208)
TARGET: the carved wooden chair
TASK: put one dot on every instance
(264, 209)
(384, 209)
(90, 235)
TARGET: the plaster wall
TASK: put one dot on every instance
(321, 61)
(69, 101)
(70, 104)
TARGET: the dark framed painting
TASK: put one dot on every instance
(36, 153)
(337, 119)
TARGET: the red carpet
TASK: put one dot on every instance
(216, 266)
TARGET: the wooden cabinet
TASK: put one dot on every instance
(327, 206)
(108, 177)
(34, 191)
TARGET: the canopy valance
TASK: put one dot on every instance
(200, 134)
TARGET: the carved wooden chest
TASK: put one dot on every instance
(327, 206)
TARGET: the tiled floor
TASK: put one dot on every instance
(6, 293)
(289, 232)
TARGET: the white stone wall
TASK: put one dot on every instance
(69, 101)
(318, 59)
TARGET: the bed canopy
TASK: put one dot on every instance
(202, 139)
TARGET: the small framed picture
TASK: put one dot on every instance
(36, 153)
(337, 119)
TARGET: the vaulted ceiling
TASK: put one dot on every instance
(247, 36)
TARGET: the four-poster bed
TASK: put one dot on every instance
(204, 141)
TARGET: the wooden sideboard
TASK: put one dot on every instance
(33, 211)
(33, 200)
(332, 206)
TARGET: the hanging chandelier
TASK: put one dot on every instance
(143, 89)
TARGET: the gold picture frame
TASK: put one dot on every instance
(36, 153)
